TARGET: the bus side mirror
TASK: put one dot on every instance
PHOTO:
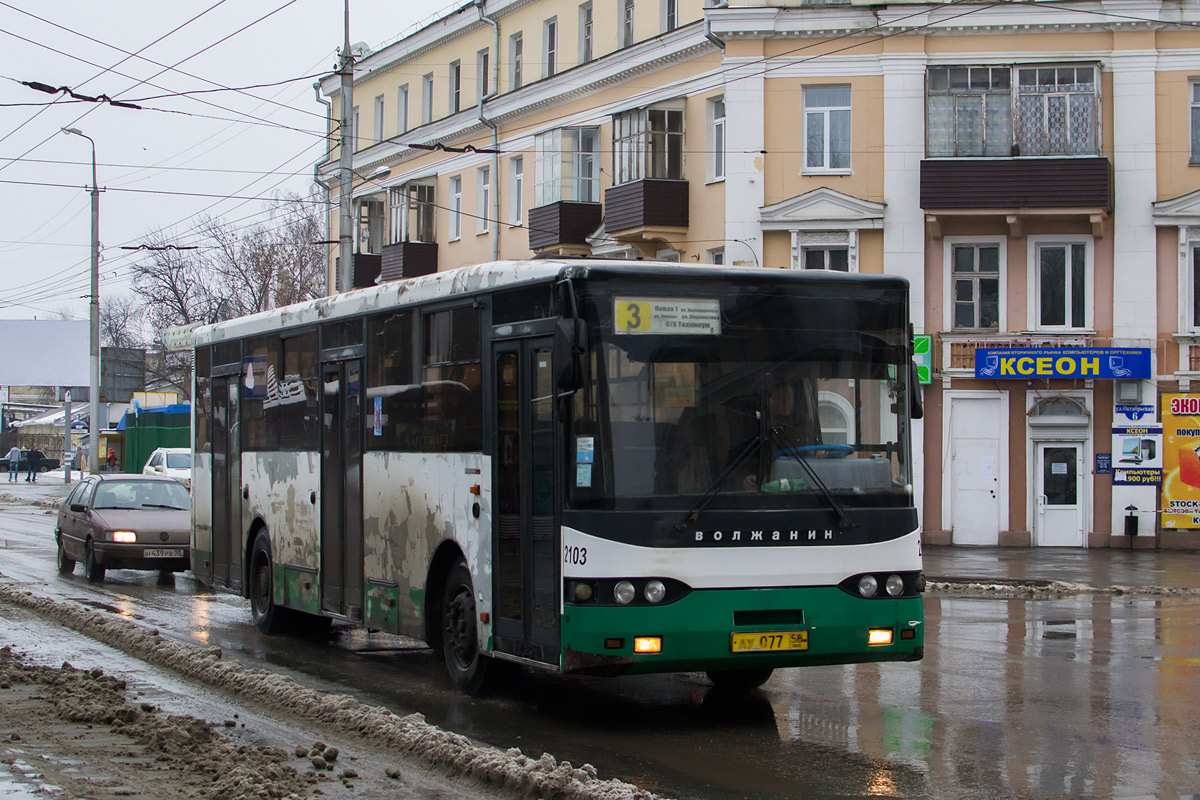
(570, 350)
(916, 398)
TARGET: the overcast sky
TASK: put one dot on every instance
(159, 168)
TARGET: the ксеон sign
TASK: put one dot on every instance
(1111, 363)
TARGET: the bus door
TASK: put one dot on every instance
(341, 489)
(526, 536)
(226, 483)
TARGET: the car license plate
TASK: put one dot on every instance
(162, 553)
(768, 641)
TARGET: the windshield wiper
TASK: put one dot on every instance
(159, 505)
(750, 447)
(790, 450)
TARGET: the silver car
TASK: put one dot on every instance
(116, 521)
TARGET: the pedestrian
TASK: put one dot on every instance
(35, 461)
(14, 463)
(111, 460)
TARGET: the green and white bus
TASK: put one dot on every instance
(581, 465)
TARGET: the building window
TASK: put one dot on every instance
(517, 190)
(484, 195)
(550, 46)
(483, 73)
(716, 138)
(355, 130)
(970, 111)
(670, 15)
(455, 86)
(626, 23)
(402, 110)
(427, 99)
(567, 166)
(826, 128)
(455, 208)
(370, 227)
(648, 143)
(410, 212)
(379, 118)
(975, 284)
(1064, 285)
(585, 33)
(516, 58)
(1194, 90)
(716, 255)
(835, 259)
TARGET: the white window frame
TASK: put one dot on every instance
(516, 60)
(379, 118)
(354, 130)
(427, 98)
(716, 138)
(483, 78)
(843, 407)
(715, 255)
(565, 171)
(455, 96)
(402, 110)
(825, 114)
(668, 15)
(550, 47)
(636, 142)
(1194, 119)
(804, 241)
(516, 190)
(1034, 281)
(483, 195)
(587, 37)
(948, 245)
(456, 205)
(626, 23)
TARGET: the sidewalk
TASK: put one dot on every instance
(1098, 568)
(49, 486)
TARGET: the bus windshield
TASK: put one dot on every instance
(789, 395)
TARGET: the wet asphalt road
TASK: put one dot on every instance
(1091, 696)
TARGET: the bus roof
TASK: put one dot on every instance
(497, 275)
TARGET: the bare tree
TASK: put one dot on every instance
(121, 321)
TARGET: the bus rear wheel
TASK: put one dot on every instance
(466, 665)
(739, 679)
(269, 617)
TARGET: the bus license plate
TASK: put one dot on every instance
(162, 553)
(768, 641)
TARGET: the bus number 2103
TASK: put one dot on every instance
(574, 555)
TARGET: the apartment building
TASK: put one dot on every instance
(1033, 169)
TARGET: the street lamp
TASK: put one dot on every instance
(94, 307)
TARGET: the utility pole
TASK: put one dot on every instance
(345, 270)
(94, 308)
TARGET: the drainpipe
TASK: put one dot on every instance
(317, 172)
(495, 221)
(712, 37)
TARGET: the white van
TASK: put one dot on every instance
(174, 462)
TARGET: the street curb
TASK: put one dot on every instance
(1041, 589)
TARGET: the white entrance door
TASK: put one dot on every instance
(1058, 521)
(975, 470)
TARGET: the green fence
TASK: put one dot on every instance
(151, 428)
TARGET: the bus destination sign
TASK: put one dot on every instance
(688, 317)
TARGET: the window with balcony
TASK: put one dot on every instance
(826, 128)
(1012, 110)
(1194, 119)
(586, 41)
(370, 227)
(1063, 283)
(567, 166)
(410, 213)
(975, 285)
(516, 60)
(648, 143)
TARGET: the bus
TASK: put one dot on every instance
(580, 465)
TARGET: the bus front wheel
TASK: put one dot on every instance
(268, 617)
(467, 666)
(739, 679)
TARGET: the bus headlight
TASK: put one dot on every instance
(624, 592)
(868, 586)
(583, 592)
(894, 585)
(655, 591)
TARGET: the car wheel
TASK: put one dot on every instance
(739, 679)
(66, 564)
(269, 617)
(467, 667)
(93, 571)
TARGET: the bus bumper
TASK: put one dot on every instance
(697, 632)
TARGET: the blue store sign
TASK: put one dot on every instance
(1104, 363)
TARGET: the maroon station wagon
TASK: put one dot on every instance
(117, 521)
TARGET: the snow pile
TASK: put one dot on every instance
(509, 770)
(1039, 590)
